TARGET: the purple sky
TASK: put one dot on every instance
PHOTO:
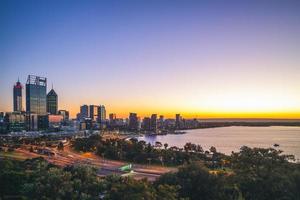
(199, 58)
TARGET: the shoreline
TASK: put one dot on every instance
(184, 131)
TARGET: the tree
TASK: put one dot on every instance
(53, 184)
(263, 174)
(213, 149)
(195, 182)
(166, 145)
(158, 144)
(167, 192)
(129, 189)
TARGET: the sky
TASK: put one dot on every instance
(206, 59)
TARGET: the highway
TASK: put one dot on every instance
(105, 167)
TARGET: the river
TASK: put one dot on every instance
(228, 139)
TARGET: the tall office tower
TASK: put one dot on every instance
(93, 112)
(160, 123)
(133, 122)
(178, 121)
(52, 102)
(154, 122)
(18, 97)
(36, 88)
(147, 124)
(84, 111)
(101, 114)
(112, 118)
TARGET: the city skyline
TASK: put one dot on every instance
(201, 60)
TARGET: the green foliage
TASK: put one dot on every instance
(263, 174)
(259, 174)
(141, 152)
(37, 179)
(196, 183)
(87, 144)
(130, 189)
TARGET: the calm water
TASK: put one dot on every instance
(228, 139)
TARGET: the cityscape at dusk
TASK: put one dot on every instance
(150, 99)
(200, 59)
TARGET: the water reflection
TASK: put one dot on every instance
(228, 139)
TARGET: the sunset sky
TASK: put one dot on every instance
(198, 58)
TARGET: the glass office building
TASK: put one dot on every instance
(93, 111)
(36, 88)
(84, 111)
(52, 102)
(101, 114)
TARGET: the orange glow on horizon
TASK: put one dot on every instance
(170, 113)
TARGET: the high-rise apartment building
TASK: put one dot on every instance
(36, 88)
(17, 97)
(160, 123)
(84, 111)
(101, 114)
(146, 124)
(93, 112)
(133, 122)
(154, 122)
(178, 121)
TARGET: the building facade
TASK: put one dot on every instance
(93, 112)
(65, 114)
(154, 122)
(133, 123)
(84, 111)
(16, 121)
(101, 118)
(17, 97)
(178, 121)
(52, 102)
(146, 124)
(36, 88)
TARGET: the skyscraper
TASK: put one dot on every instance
(178, 121)
(36, 88)
(17, 101)
(84, 111)
(160, 123)
(147, 124)
(52, 102)
(154, 122)
(93, 112)
(101, 114)
(133, 122)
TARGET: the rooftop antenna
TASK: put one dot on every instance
(52, 86)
